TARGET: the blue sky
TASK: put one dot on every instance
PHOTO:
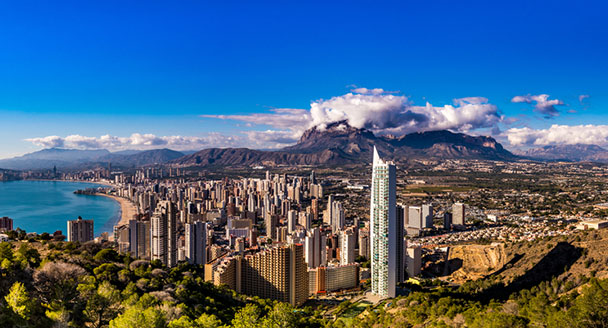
(117, 68)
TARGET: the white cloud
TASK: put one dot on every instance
(581, 98)
(543, 104)
(559, 135)
(376, 110)
(138, 141)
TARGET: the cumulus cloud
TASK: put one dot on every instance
(137, 141)
(543, 104)
(582, 98)
(559, 135)
(374, 109)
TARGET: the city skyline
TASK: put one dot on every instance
(196, 76)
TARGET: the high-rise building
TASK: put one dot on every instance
(458, 214)
(278, 273)
(401, 216)
(383, 227)
(80, 230)
(6, 223)
(305, 219)
(414, 264)
(315, 208)
(164, 233)
(139, 239)
(196, 243)
(415, 217)
(427, 216)
(337, 217)
(447, 220)
(347, 246)
(292, 217)
(315, 251)
(364, 244)
(271, 221)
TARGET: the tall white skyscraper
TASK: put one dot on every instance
(383, 227)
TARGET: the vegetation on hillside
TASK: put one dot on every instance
(89, 285)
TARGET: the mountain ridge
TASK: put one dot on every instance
(339, 143)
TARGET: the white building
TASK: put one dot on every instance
(383, 227)
(347, 246)
(458, 214)
(415, 217)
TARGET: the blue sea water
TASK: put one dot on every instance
(46, 206)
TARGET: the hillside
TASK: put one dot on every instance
(554, 282)
(141, 158)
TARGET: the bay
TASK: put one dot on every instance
(46, 206)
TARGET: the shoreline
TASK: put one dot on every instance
(103, 183)
(127, 209)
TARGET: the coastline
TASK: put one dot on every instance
(103, 183)
(127, 209)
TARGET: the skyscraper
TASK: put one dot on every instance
(139, 239)
(6, 223)
(458, 214)
(315, 252)
(196, 243)
(383, 227)
(347, 246)
(427, 216)
(80, 230)
(337, 217)
(164, 233)
(415, 217)
(401, 217)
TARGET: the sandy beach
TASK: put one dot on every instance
(128, 210)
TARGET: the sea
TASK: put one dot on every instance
(46, 206)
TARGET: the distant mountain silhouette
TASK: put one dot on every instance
(73, 158)
(574, 153)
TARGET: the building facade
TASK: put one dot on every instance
(80, 230)
(383, 227)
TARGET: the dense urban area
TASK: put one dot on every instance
(474, 243)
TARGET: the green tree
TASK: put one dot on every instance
(19, 301)
(499, 320)
(137, 317)
(247, 317)
(102, 302)
(282, 315)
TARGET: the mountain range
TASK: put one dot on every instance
(339, 143)
(336, 144)
(75, 158)
(576, 153)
